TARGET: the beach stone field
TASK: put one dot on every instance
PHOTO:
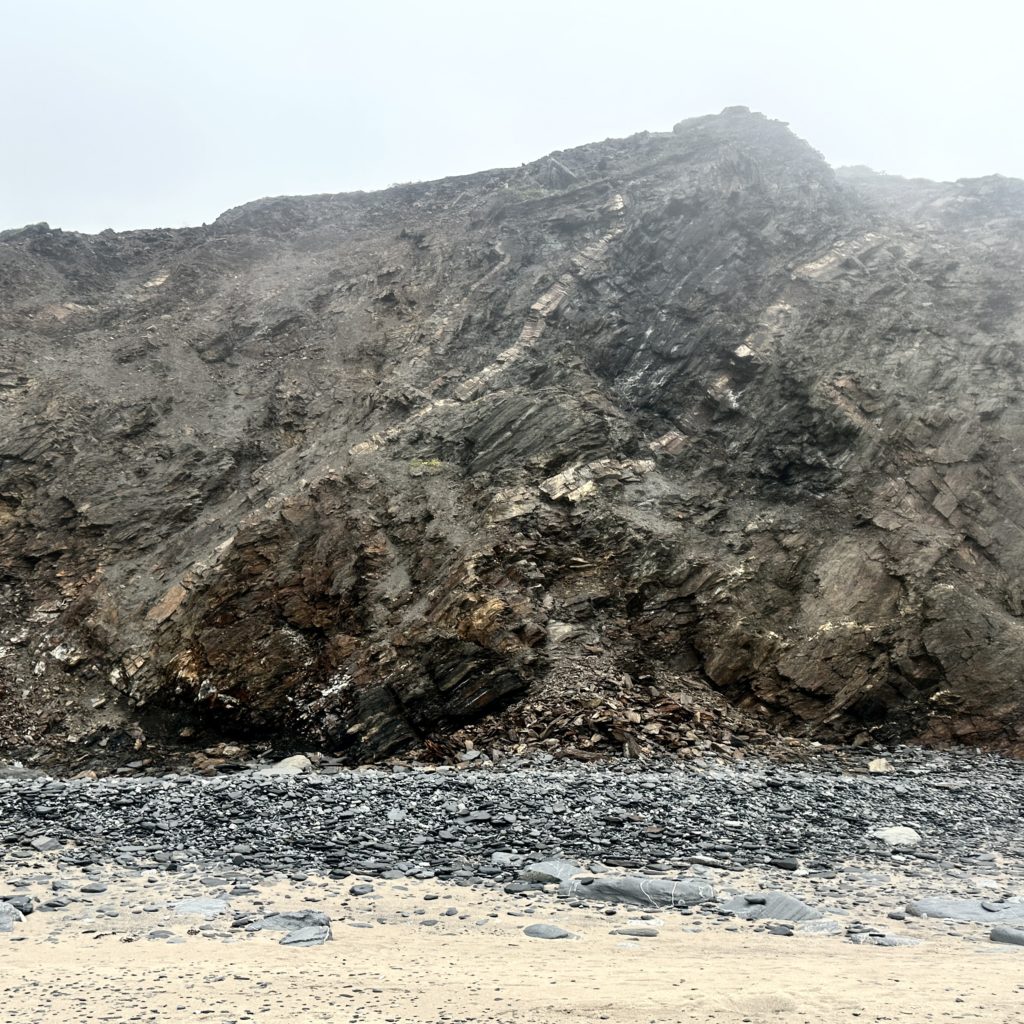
(846, 886)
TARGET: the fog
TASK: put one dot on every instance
(136, 114)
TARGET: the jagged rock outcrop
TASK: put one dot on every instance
(688, 407)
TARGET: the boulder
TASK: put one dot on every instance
(982, 911)
(547, 931)
(9, 917)
(292, 920)
(771, 906)
(549, 871)
(1011, 936)
(314, 935)
(201, 906)
(641, 891)
(295, 765)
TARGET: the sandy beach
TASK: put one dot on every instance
(385, 963)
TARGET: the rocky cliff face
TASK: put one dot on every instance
(681, 418)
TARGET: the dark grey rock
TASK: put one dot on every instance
(677, 290)
(642, 892)
(772, 906)
(1011, 936)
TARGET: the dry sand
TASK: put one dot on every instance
(59, 967)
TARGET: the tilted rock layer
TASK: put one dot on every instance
(689, 408)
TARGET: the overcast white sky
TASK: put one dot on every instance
(132, 113)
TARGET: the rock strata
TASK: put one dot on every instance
(679, 439)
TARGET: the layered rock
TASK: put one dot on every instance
(354, 470)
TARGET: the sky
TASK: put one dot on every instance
(131, 113)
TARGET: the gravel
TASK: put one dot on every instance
(455, 821)
(747, 845)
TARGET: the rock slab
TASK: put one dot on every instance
(771, 906)
(1011, 936)
(984, 911)
(547, 931)
(642, 892)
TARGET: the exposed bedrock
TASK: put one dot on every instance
(689, 409)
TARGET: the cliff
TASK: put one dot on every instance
(687, 426)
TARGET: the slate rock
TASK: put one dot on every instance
(547, 931)
(255, 615)
(9, 917)
(294, 765)
(637, 932)
(202, 906)
(771, 906)
(1004, 933)
(293, 920)
(26, 904)
(313, 935)
(871, 939)
(546, 871)
(1011, 912)
(44, 844)
(897, 835)
(820, 927)
(641, 891)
